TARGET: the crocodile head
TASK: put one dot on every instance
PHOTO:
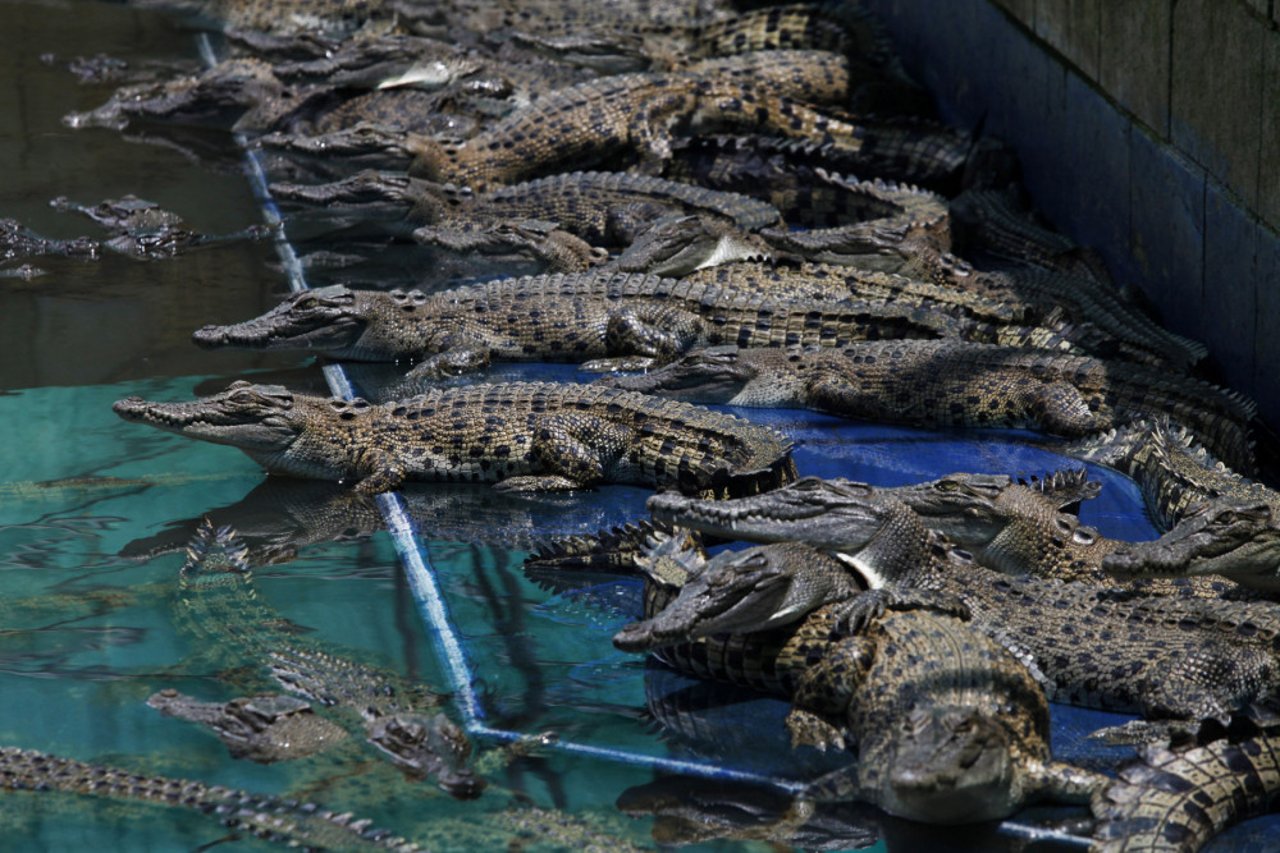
(677, 245)
(428, 746)
(329, 319)
(832, 513)
(954, 764)
(708, 375)
(826, 513)
(1236, 537)
(740, 591)
(259, 419)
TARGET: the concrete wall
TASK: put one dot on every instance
(1148, 129)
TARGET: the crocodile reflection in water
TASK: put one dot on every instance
(282, 516)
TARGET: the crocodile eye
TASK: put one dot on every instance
(1224, 518)
(1062, 524)
(1083, 537)
(947, 485)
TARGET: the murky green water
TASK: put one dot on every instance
(94, 514)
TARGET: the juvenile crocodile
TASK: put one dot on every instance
(958, 383)
(571, 318)
(1163, 657)
(605, 209)
(1216, 521)
(1176, 799)
(1175, 472)
(521, 436)
(949, 726)
(1037, 537)
(634, 114)
(264, 728)
(1119, 328)
(222, 613)
(286, 821)
(913, 151)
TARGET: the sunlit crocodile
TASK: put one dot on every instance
(949, 726)
(633, 318)
(633, 115)
(952, 383)
(1162, 656)
(521, 436)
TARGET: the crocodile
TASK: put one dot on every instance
(635, 318)
(222, 613)
(959, 383)
(839, 283)
(1176, 798)
(689, 810)
(634, 114)
(286, 821)
(949, 726)
(523, 437)
(606, 210)
(910, 150)
(264, 728)
(1172, 468)
(1216, 521)
(1119, 329)
(1165, 657)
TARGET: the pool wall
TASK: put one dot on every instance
(1148, 130)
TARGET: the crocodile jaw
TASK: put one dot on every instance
(330, 320)
(1232, 538)
(258, 419)
(826, 515)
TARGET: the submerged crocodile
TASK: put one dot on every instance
(559, 317)
(959, 383)
(221, 611)
(1163, 657)
(1177, 798)
(287, 821)
(264, 728)
(949, 726)
(521, 436)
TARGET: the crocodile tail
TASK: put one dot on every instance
(1178, 800)
(1066, 486)
(215, 548)
(612, 551)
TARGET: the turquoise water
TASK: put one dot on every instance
(94, 514)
